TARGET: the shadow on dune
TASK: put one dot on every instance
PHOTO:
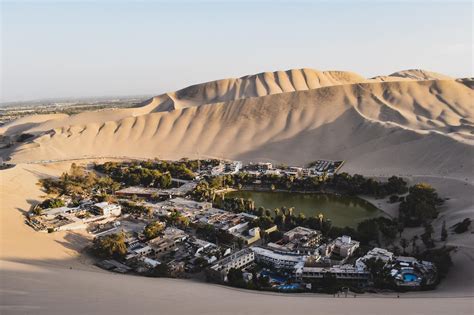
(368, 145)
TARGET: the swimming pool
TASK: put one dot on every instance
(288, 287)
(273, 277)
(409, 277)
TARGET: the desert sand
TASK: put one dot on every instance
(301, 115)
(413, 123)
(46, 274)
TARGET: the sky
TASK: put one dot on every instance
(76, 49)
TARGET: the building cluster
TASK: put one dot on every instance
(318, 168)
(300, 258)
(406, 271)
(74, 218)
(227, 167)
(150, 192)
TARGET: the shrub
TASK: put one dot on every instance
(462, 226)
(110, 246)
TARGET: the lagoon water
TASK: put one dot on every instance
(341, 210)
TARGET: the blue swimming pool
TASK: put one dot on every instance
(289, 287)
(409, 277)
(273, 277)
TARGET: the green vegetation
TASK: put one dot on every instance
(135, 174)
(462, 226)
(235, 278)
(440, 257)
(152, 173)
(444, 232)
(379, 274)
(78, 182)
(360, 185)
(426, 237)
(176, 218)
(110, 246)
(135, 209)
(380, 230)
(160, 271)
(52, 203)
(153, 229)
(342, 183)
(420, 205)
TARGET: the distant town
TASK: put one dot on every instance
(174, 219)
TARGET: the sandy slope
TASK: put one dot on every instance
(257, 85)
(413, 123)
(43, 274)
(408, 127)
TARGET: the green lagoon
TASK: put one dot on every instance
(341, 210)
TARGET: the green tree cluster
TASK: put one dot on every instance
(110, 246)
(420, 205)
(153, 229)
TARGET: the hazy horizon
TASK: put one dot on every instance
(95, 49)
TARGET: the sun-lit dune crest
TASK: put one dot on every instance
(292, 116)
(410, 75)
(419, 74)
(257, 85)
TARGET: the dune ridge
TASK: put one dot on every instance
(421, 124)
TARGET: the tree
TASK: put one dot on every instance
(375, 267)
(444, 232)
(235, 277)
(52, 203)
(162, 270)
(413, 242)
(420, 205)
(321, 219)
(153, 229)
(426, 237)
(404, 244)
(462, 226)
(111, 246)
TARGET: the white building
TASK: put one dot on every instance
(343, 272)
(280, 260)
(108, 209)
(238, 260)
(343, 246)
(376, 253)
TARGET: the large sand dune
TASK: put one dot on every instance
(410, 123)
(416, 123)
(43, 273)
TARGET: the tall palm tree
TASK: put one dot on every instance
(404, 244)
(321, 218)
(413, 242)
(277, 211)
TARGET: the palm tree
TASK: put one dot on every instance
(321, 218)
(413, 242)
(290, 211)
(277, 211)
(404, 244)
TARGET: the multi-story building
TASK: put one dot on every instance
(278, 259)
(238, 260)
(342, 272)
(343, 246)
(107, 209)
(375, 253)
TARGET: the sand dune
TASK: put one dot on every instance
(409, 123)
(427, 124)
(44, 274)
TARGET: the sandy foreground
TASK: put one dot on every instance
(44, 273)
